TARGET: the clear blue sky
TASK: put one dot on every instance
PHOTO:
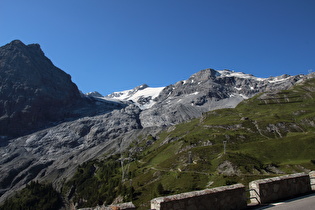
(113, 45)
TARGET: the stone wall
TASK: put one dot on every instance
(312, 178)
(277, 188)
(227, 197)
(231, 197)
(121, 206)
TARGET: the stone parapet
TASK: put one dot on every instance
(312, 178)
(120, 206)
(227, 197)
(273, 189)
(123, 206)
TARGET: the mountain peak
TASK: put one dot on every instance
(17, 42)
(17, 48)
(32, 88)
(205, 74)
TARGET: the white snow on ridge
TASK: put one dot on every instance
(122, 95)
(244, 96)
(228, 73)
(277, 79)
(149, 91)
(136, 95)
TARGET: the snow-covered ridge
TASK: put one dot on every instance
(142, 96)
(228, 73)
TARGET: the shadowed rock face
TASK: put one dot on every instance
(32, 90)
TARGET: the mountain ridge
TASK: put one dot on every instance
(32, 88)
(128, 94)
(93, 126)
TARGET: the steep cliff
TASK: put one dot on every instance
(32, 90)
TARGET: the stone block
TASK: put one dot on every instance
(273, 189)
(312, 179)
(227, 197)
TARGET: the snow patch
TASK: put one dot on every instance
(228, 73)
(236, 95)
(243, 96)
(31, 139)
(134, 95)
(277, 79)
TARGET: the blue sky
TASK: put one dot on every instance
(113, 45)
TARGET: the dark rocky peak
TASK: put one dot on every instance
(26, 60)
(17, 48)
(14, 44)
(32, 90)
(19, 44)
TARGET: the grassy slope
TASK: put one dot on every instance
(264, 138)
(276, 132)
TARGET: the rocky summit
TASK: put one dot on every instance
(34, 93)
(48, 128)
(32, 90)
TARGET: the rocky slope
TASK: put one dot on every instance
(66, 129)
(54, 152)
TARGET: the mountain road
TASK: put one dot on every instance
(306, 202)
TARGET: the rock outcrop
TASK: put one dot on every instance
(32, 90)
